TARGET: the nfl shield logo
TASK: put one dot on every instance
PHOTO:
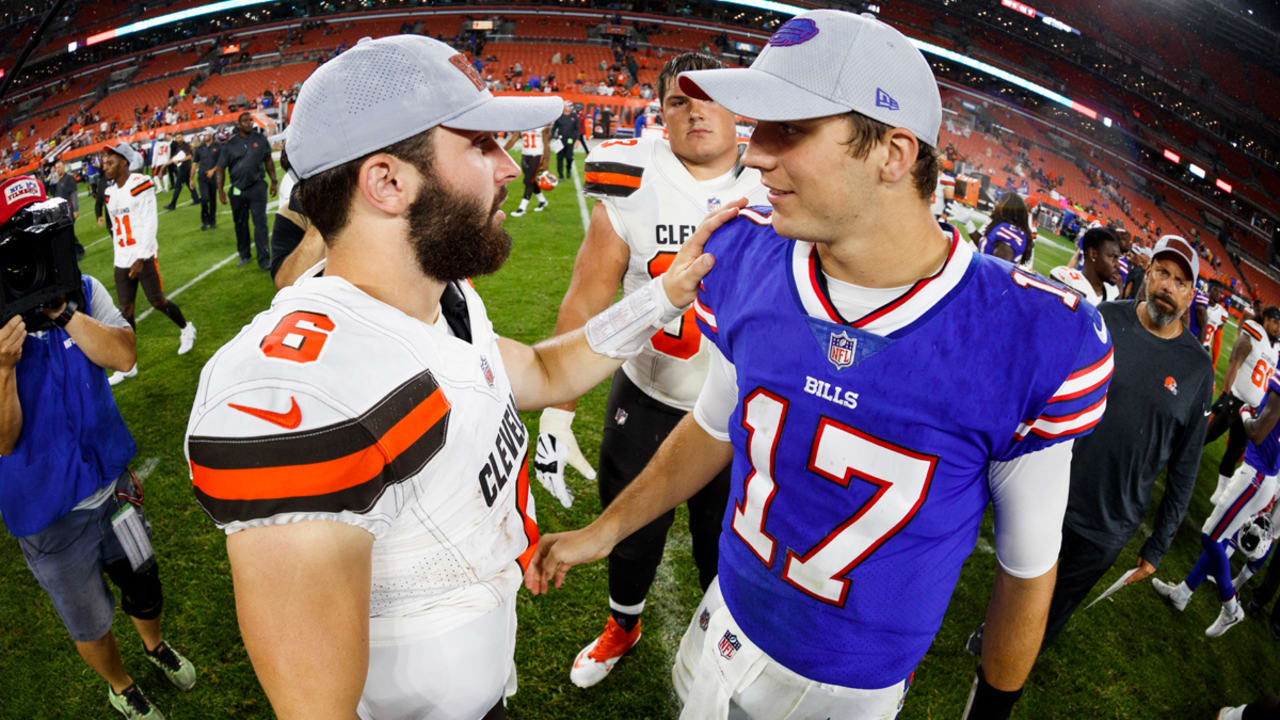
(703, 619)
(488, 371)
(713, 204)
(840, 349)
(729, 645)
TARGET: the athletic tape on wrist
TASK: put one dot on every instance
(623, 329)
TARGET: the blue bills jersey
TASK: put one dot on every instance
(861, 447)
(1015, 238)
(1201, 300)
(1265, 456)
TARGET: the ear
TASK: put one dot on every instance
(388, 184)
(902, 147)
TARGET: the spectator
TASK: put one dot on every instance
(64, 472)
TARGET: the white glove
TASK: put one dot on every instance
(1247, 411)
(557, 447)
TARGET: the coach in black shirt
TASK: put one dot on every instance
(245, 156)
(1157, 413)
(206, 154)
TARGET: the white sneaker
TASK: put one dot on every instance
(1225, 620)
(540, 207)
(1173, 593)
(186, 338)
(118, 377)
(517, 212)
(1231, 713)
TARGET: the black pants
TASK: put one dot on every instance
(634, 426)
(184, 179)
(208, 201)
(529, 164)
(564, 160)
(1267, 590)
(1081, 563)
(1226, 418)
(252, 201)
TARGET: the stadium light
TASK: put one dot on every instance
(1196, 170)
(1172, 156)
(1222, 185)
(170, 18)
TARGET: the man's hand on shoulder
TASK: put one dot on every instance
(681, 280)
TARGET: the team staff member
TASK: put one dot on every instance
(64, 455)
(207, 153)
(533, 160)
(1157, 412)
(1253, 360)
(652, 195)
(65, 188)
(131, 211)
(565, 129)
(180, 170)
(856, 496)
(245, 156)
(383, 577)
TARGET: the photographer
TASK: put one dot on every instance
(65, 490)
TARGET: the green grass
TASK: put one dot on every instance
(1131, 658)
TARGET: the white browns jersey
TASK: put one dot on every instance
(655, 205)
(1215, 315)
(131, 211)
(946, 182)
(1076, 280)
(531, 142)
(1250, 384)
(333, 405)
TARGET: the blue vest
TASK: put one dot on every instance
(73, 439)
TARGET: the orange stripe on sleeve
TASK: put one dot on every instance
(143, 187)
(608, 178)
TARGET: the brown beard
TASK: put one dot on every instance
(454, 237)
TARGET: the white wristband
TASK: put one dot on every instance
(623, 329)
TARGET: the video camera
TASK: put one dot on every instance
(38, 263)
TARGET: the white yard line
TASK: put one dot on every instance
(147, 467)
(582, 204)
(194, 280)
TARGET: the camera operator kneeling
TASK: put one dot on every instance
(66, 492)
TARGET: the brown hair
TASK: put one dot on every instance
(868, 132)
(683, 62)
(325, 197)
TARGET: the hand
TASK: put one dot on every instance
(209, 173)
(99, 221)
(556, 447)
(558, 552)
(680, 281)
(1247, 411)
(222, 195)
(75, 214)
(1145, 569)
(11, 337)
(274, 188)
(135, 269)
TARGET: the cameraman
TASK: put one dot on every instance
(65, 490)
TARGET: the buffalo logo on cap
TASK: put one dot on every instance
(794, 32)
(460, 61)
(22, 189)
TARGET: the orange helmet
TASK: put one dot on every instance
(547, 181)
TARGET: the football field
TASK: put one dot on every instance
(1131, 657)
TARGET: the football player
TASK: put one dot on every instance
(1215, 316)
(1100, 249)
(1197, 317)
(360, 441)
(1250, 491)
(860, 473)
(651, 196)
(533, 160)
(1009, 234)
(131, 211)
(1252, 363)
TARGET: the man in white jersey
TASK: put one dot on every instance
(134, 219)
(1101, 250)
(533, 160)
(652, 195)
(1216, 315)
(359, 441)
(1253, 360)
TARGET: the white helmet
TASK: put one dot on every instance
(1254, 539)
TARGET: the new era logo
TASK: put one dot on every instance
(885, 100)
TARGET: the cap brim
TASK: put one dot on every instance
(757, 95)
(508, 113)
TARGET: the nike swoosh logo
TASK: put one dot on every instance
(1101, 331)
(287, 420)
(1208, 413)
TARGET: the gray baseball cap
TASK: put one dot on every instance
(126, 151)
(1181, 250)
(386, 90)
(828, 62)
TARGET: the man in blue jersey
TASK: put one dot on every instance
(1197, 318)
(860, 469)
(1250, 491)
